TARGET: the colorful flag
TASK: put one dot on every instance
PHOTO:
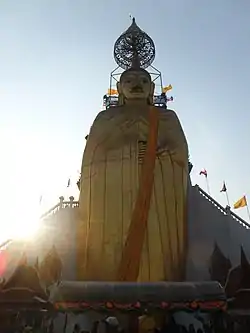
(203, 172)
(112, 92)
(242, 202)
(223, 189)
(167, 88)
(68, 185)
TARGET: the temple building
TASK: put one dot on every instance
(106, 227)
(138, 219)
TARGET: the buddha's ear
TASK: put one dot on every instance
(151, 94)
(118, 87)
(120, 95)
(152, 89)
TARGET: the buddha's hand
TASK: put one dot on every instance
(171, 138)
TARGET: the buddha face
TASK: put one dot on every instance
(135, 84)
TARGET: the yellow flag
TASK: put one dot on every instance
(241, 203)
(167, 88)
(112, 92)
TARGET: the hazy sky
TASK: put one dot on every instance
(55, 64)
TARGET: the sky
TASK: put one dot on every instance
(55, 62)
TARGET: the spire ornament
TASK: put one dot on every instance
(134, 48)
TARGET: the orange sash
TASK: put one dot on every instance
(131, 256)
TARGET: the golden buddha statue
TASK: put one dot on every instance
(133, 190)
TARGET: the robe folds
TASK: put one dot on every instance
(110, 179)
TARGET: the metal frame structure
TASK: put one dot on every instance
(135, 49)
(154, 72)
(112, 100)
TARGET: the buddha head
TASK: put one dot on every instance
(135, 85)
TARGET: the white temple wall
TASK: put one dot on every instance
(209, 223)
(58, 230)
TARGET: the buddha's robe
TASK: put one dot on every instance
(110, 177)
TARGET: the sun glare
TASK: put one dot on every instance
(25, 226)
(33, 178)
(22, 175)
(28, 230)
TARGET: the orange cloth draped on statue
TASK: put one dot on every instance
(117, 211)
(130, 263)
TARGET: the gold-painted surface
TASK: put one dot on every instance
(132, 251)
(110, 178)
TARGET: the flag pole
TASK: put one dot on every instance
(248, 213)
(208, 188)
(224, 189)
(204, 173)
(227, 199)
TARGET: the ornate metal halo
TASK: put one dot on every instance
(134, 43)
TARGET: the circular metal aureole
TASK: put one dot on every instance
(134, 42)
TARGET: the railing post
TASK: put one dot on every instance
(71, 199)
(61, 201)
(228, 210)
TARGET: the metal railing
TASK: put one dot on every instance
(71, 203)
(225, 211)
(5, 243)
(210, 199)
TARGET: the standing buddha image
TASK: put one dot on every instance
(133, 186)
